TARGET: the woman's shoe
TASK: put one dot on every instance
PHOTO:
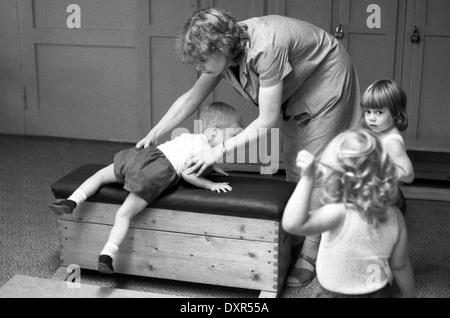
(300, 276)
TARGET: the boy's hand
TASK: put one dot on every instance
(305, 161)
(221, 186)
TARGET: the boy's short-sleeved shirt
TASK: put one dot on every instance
(178, 149)
(311, 63)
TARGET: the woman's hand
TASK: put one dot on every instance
(146, 141)
(202, 160)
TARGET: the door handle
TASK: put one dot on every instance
(339, 32)
(415, 36)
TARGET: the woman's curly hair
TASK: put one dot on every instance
(363, 176)
(210, 32)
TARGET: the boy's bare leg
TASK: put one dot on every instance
(87, 188)
(96, 181)
(132, 206)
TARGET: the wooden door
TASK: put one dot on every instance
(317, 12)
(11, 89)
(80, 82)
(427, 75)
(372, 48)
(162, 77)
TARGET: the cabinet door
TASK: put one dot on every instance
(162, 77)
(317, 12)
(80, 83)
(373, 49)
(11, 89)
(427, 72)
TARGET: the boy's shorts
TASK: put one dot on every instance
(144, 172)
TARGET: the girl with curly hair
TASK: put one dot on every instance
(364, 238)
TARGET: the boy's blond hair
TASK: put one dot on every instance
(220, 115)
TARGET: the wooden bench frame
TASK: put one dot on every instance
(187, 246)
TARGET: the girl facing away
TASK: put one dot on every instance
(364, 237)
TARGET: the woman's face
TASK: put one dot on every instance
(213, 65)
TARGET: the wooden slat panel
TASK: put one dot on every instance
(182, 222)
(195, 258)
(284, 258)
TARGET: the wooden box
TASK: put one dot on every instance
(227, 250)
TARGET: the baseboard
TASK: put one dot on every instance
(429, 193)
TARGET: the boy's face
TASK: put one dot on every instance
(378, 120)
(223, 134)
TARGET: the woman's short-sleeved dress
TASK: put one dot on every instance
(321, 91)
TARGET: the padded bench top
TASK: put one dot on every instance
(251, 197)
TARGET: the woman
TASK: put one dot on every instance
(291, 70)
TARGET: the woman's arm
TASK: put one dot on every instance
(397, 153)
(269, 111)
(181, 109)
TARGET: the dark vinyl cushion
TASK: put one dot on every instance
(251, 197)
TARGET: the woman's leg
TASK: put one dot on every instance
(304, 268)
(314, 137)
(313, 132)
